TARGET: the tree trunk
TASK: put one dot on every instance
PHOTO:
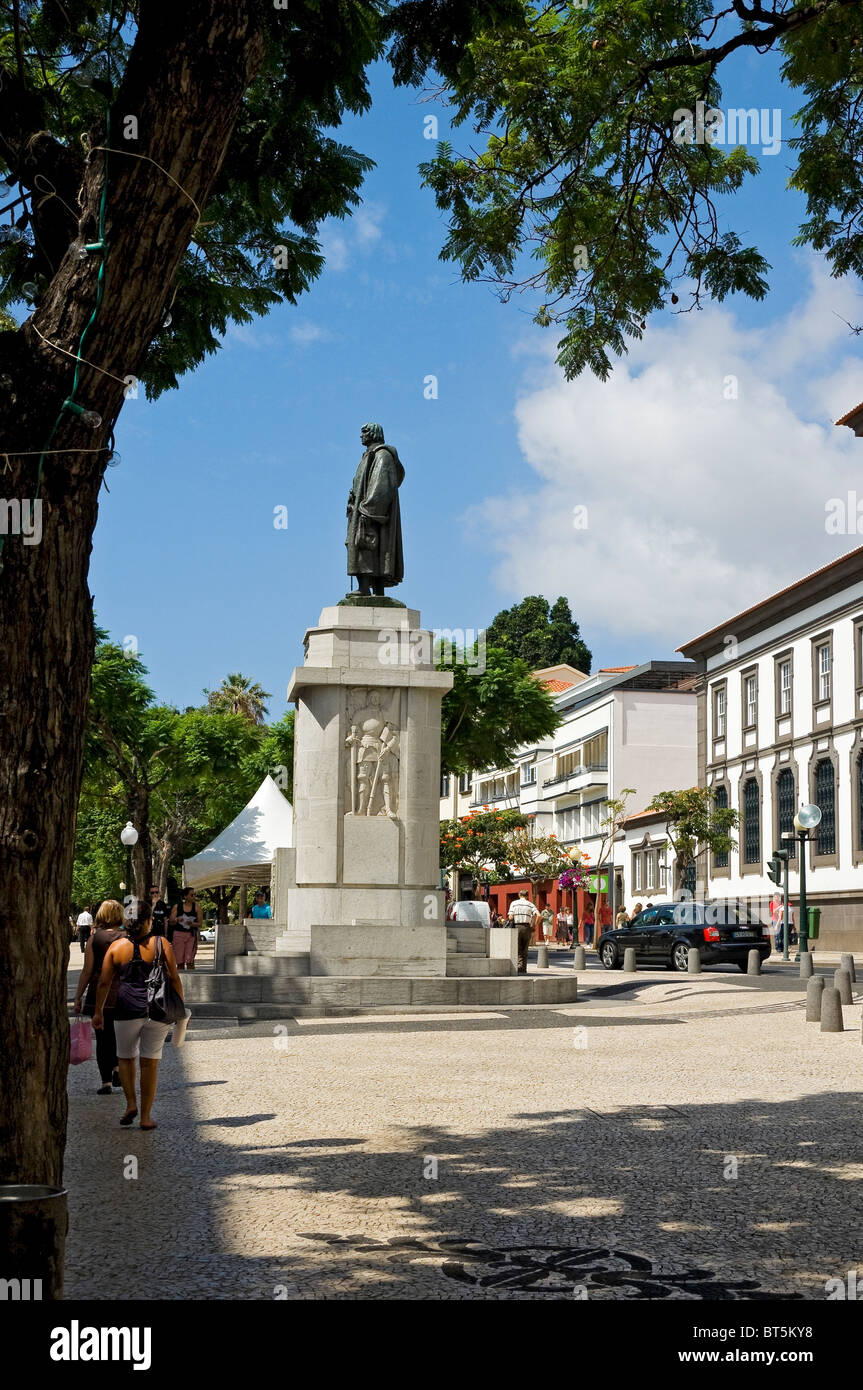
(185, 81)
(139, 815)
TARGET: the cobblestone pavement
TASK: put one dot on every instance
(586, 1150)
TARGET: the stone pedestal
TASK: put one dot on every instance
(358, 918)
(366, 797)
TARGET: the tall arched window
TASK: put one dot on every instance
(786, 805)
(825, 799)
(720, 801)
(751, 823)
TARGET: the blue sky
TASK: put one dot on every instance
(493, 464)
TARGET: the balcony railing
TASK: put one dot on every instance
(576, 772)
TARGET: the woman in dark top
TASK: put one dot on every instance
(108, 928)
(130, 961)
(186, 922)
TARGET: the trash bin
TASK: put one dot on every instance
(33, 1223)
(813, 918)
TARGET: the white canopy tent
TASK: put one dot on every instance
(243, 852)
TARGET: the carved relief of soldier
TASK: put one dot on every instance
(373, 756)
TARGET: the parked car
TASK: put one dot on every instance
(208, 934)
(663, 933)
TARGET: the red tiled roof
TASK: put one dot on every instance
(642, 815)
(555, 686)
(613, 670)
(846, 419)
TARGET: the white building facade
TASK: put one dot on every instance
(780, 723)
(624, 727)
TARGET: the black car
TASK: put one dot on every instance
(663, 933)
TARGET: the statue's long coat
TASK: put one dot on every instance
(373, 507)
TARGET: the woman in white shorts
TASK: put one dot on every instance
(131, 959)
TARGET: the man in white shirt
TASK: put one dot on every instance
(85, 926)
(523, 914)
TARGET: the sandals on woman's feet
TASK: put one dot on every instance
(151, 1125)
(129, 1117)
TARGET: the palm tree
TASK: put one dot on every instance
(238, 695)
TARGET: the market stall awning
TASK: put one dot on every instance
(243, 852)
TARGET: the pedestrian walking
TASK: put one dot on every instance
(570, 931)
(523, 915)
(587, 924)
(547, 923)
(160, 913)
(130, 960)
(561, 935)
(108, 929)
(84, 926)
(186, 921)
(779, 926)
(621, 919)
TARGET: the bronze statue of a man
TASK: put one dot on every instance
(374, 538)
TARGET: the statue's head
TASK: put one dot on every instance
(372, 434)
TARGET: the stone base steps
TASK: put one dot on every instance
(261, 996)
(285, 963)
(459, 963)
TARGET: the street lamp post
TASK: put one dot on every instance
(807, 818)
(129, 838)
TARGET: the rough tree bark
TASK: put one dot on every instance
(186, 77)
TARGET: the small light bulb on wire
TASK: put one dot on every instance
(168, 319)
(5, 188)
(10, 234)
(80, 250)
(30, 288)
(114, 459)
(82, 77)
(88, 417)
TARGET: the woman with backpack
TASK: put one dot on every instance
(132, 960)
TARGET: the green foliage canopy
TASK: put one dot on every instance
(541, 634)
(489, 715)
(578, 168)
(283, 174)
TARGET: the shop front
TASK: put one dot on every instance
(545, 893)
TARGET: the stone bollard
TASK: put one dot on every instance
(842, 982)
(814, 990)
(542, 957)
(753, 963)
(831, 1011)
(846, 962)
(693, 962)
(629, 965)
(579, 958)
(807, 966)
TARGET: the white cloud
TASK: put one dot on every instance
(697, 506)
(341, 240)
(249, 335)
(308, 332)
